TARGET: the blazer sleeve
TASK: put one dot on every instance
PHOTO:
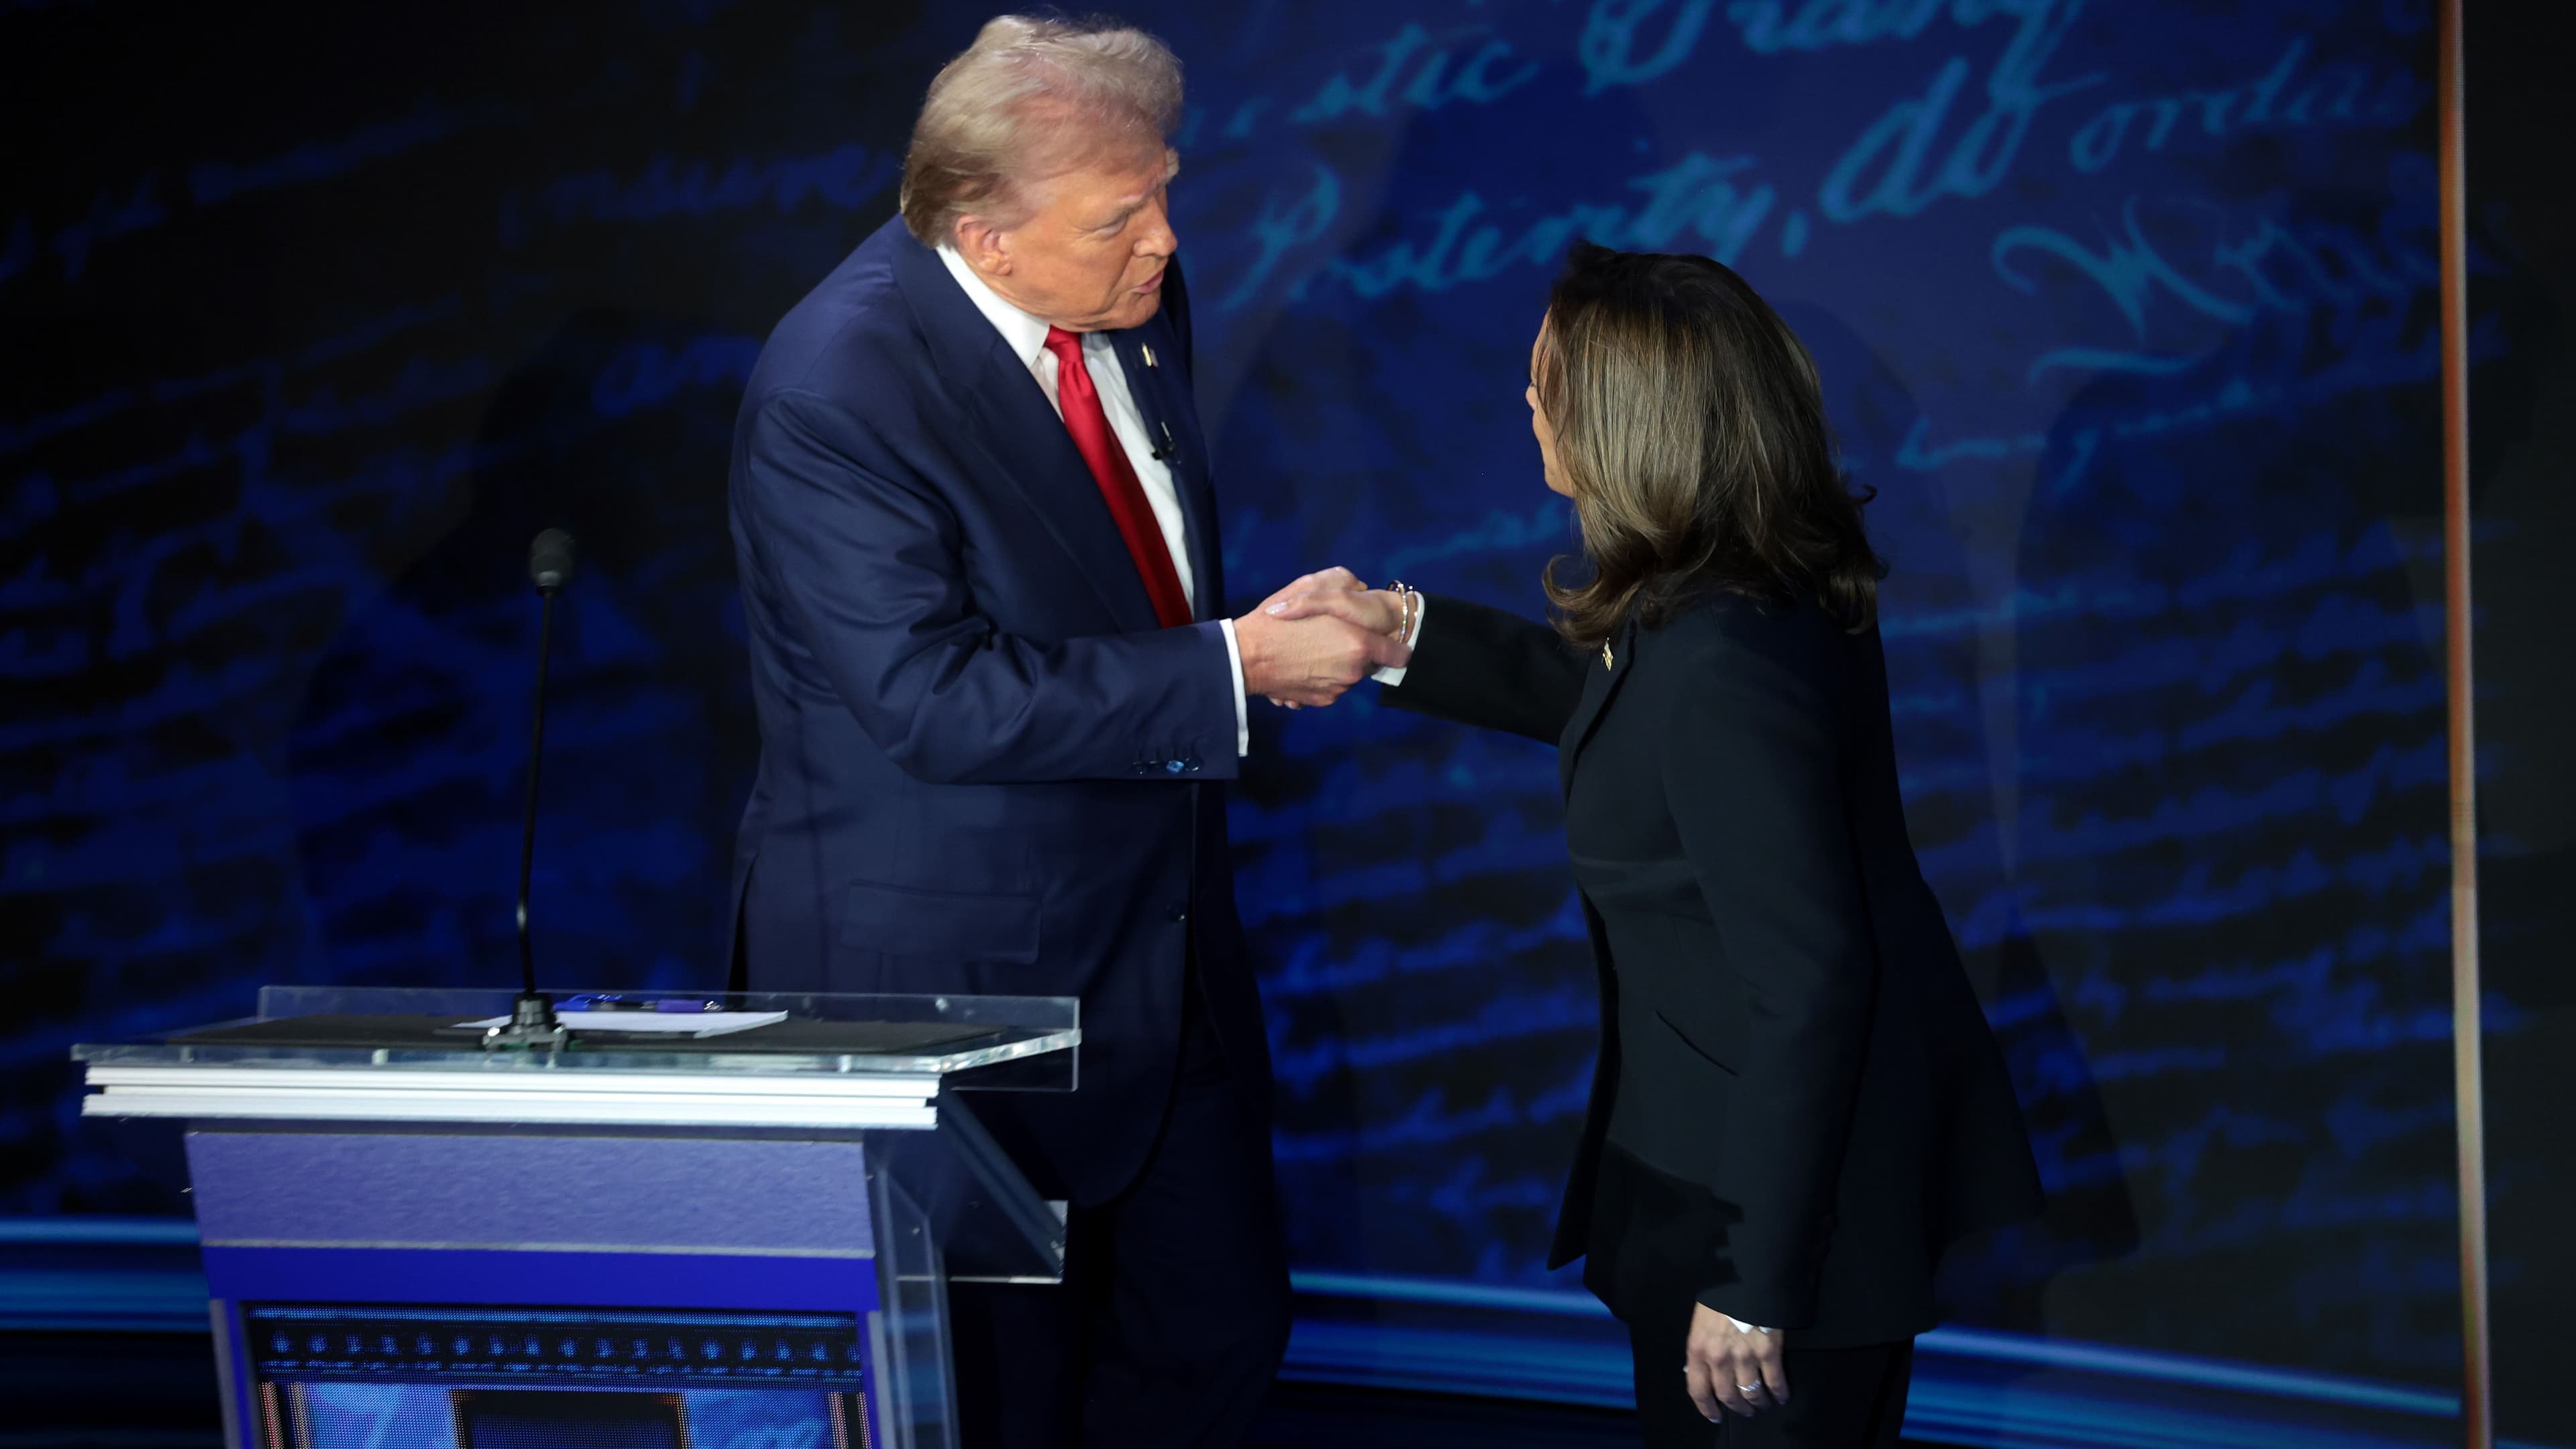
(1752, 777)
(1481, 666)
(870, 571)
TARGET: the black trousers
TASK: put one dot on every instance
(1173, 1315)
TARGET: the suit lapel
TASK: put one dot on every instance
(1023, 434)
(1600, 682)
(1009, 419)
(1161, 396)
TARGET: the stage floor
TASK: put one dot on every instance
(156, 1391)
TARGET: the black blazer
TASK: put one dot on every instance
(1784, 1019)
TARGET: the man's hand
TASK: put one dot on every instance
(1295, 619)
(1730, 1368)
(1310, 661)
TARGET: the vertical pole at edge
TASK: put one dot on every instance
(2467, 1026)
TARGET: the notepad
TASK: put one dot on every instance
(657, 1023)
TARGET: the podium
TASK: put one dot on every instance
(640, 1238)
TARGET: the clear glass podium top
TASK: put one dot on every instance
(1026, 1043)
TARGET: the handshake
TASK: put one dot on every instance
(1317, 637)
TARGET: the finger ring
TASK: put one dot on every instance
(1748, 1388)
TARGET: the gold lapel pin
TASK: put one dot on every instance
(1605, 655)
(1149, 355)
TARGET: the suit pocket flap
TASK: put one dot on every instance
(1691, 1044)
(939, 925)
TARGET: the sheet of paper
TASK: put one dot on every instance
(663, 1023)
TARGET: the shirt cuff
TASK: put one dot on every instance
(1242, 713)
(1394, 675)
(1740, 1325)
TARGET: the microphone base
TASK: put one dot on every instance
(532, 1027)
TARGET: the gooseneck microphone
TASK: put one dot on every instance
(532, 1016)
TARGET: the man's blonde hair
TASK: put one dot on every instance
(1031, 98)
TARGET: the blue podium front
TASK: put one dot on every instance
(625, 1241)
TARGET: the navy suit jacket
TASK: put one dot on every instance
(984, 767)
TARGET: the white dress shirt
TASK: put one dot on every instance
(1026, 336)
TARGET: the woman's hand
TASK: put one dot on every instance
(1335, 577)
(1375, 610)
(1338, 592)
(1732, 1368)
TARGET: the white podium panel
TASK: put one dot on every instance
(638, 1239)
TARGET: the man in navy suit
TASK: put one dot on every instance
(982, 583)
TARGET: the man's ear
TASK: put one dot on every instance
(985, 246)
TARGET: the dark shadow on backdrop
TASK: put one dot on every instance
(649, 728)
(1999, 1279)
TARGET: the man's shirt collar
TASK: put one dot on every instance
(1026, 334)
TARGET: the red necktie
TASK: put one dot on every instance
(1117, 478)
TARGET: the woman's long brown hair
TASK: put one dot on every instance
(1691, 428)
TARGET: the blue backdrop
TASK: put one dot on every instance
(2125, 312)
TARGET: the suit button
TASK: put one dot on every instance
(1180, 914)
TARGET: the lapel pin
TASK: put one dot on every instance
(1149, 354)
(1605, 655)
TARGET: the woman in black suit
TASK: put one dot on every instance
(1798, 1102)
